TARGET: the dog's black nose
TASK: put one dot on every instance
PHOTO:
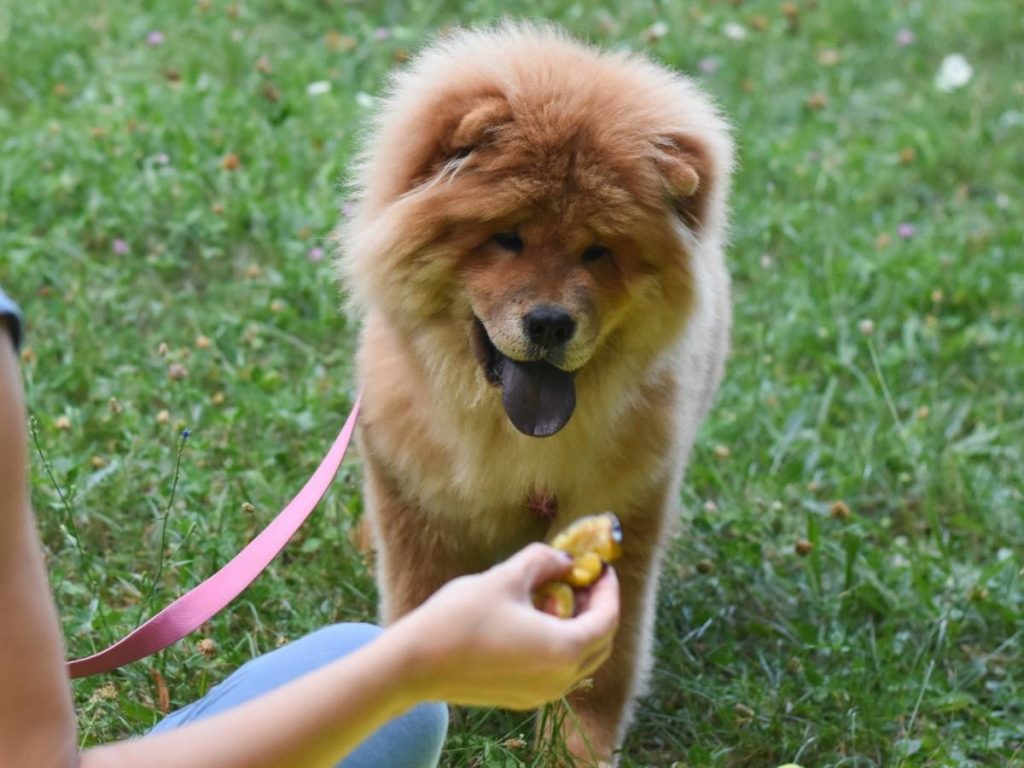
(549, 326)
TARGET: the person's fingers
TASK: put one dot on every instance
(583, 595)
(600, 614)
(539, 563)
(604, 593)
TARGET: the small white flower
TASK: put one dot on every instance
(657, 30)
(319, 88)
(898, 561)
(734, 31)
(954, 73)
(866, 326)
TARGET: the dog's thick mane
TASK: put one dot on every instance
(638, 112)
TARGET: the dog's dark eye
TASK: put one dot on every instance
(595, 253)
(508, 241)
(462, 153)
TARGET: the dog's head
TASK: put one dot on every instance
(549, 198)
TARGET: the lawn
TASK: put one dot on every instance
(848, 585)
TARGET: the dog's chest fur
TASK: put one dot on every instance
(442, 432)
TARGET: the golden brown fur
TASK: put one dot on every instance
(520, 129)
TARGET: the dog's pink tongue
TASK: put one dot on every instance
(538, 397)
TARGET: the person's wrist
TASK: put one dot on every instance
(415, 661)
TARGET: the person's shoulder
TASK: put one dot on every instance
(10, 315)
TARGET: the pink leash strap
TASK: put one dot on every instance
(194, 608)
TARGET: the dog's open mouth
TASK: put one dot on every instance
(538, 397)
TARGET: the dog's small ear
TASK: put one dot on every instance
(685, 172)
(484, 116)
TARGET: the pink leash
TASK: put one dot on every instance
(194, 608)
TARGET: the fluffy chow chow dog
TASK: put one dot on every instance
(536, 256)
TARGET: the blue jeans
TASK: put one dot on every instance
(413, 740)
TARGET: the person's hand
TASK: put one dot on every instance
(479, 641)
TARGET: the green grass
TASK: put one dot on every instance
(896, 641)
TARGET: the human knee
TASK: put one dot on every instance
(433, 727)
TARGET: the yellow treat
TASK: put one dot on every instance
(585, 570)
(592, 541)
(600, 534)
(555, 598)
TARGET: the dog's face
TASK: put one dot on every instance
(554, 218)
(544, 292)
(538, 293)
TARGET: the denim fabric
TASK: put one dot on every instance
(10, 316)
(413, 740)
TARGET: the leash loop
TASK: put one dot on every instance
(204, 601)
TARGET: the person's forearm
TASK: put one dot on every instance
(314, 721)
(37, 725)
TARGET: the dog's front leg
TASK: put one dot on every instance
(414, 557)
(601, 712)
